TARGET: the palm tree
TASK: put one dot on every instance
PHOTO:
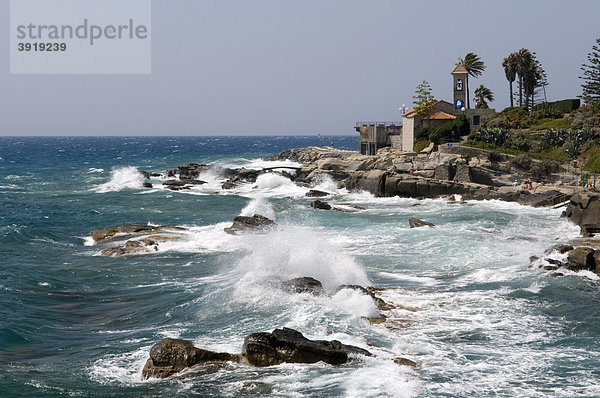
(524, 61)
(482, 95)
(474, 65)
(510, 71)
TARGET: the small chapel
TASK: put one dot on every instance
(401, 135)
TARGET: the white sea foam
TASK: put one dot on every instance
(324, 182)
(122, 178)
(123, 369)
(95, 170)
(297, 251)
(355, 302)
(259, 206)
(272, 185)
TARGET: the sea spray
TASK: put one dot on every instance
(297, 251)
(258, 206)
(122, 178)
(324, 182)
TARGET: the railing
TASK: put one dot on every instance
(384, 123)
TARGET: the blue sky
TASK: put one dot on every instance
(278, 67)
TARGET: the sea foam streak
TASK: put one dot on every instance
(122, 178)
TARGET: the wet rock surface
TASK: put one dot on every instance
(288, 345)
(171, 356)
(304, 285)
(256, 223)
(135, 238)
(417, 223)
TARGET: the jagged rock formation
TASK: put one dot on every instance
(417, 223)
(289, 345)
(171, 356)
(584, 210)
(256, 223)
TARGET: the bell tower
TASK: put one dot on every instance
(459, 87)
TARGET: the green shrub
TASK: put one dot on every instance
(420, 145)
(496, 136)
(576, 140)
(517, 110)
(553, 138)
(544, 124)
(459, 126)
(495, 156)
(522, 162)
(593, 161)
(559, 107)
(423, 134)
(544, 169)
(518, 140)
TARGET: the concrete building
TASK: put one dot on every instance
(376, 135)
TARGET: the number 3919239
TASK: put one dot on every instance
(42, 47)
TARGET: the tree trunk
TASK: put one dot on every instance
(520, 91)
(511, 94)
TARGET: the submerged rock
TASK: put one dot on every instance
(256, 223)
(417, 223)
(170, 356)
(289, 345)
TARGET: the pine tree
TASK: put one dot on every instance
(423, 100)
(591, 76)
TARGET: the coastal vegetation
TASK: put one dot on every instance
(562, 130)
(591, 76)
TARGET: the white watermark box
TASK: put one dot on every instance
(80, 37)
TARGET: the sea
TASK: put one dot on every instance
(470, 309)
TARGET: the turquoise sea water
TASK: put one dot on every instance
(479, 321)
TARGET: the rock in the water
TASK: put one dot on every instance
(256, 223)
(170, 356)
(147, 185)
(228, 185)
(126, 231)
(113, 251)
(102, 234)
(581, 258)
(406, 362)
(416, 223)
(173, 183)
(317, 204)
(304, 285)
(288, 345)
(315, 193)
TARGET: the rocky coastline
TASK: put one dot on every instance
(456, 177)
